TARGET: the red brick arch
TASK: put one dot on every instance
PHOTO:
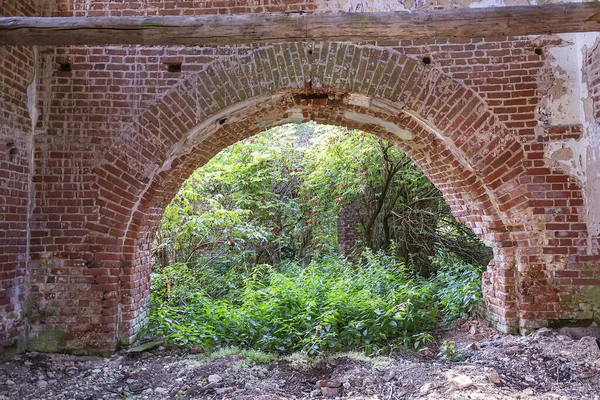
(456, 140)
(85, 182)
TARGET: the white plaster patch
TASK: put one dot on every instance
(577, 158)
(368, 119)
(359, 100)
(389, 107)
(32, 95)
(581, 160)
(294, 116)
(589, 149)
(265, 124)
(487, 3)
(208, 127)
(409, 5)
(560, 105)
(392, 108)
(367, 5)
(570, 155)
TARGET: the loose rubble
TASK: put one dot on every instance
(544, 365)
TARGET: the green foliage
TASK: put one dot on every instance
(458, 286)
(246, 252)
(331, 305)
(257, 356)
(421, 339)
(449, 352)
(397, 206)
(277, 196)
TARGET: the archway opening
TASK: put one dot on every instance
(461, 166)
(310, 238)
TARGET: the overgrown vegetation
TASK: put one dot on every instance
(247, 251)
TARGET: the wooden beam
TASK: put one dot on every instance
(266, 28)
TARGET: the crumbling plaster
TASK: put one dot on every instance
(568, 102)
(408, 5)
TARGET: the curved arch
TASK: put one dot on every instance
(445, 127)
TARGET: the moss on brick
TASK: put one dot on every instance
(49, 340)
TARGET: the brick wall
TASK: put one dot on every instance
(16, 74)
(348, 231)
(116, 120)
(119, 132)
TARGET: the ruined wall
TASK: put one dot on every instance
(115, 117)
(348, 230)
(16, 78)
(121, 127)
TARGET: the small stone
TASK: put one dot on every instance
(130, 381)
(222, 391)
(145, 347)
(543, 332)
(589, 340)
(10, 383)
(473, 330)
(389, 376)
(347, 386)
(213, 379)
(589, 373)
(423, 390)
(494, 378)
(425, 351)
(460, 381)
(330, 392)
(334, 384)
(137, 387)
(42, 384)
(528, 392)
(161, 391)
(96, 371)
(511, 350)
(196, 349)
(472, 346)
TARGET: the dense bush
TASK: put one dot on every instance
(246, 252)
(330, 305)
(277, 197)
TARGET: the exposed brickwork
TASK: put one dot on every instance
(16, 73)
(119, 133)
(348, 230)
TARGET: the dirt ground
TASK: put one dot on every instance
(546, 365)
